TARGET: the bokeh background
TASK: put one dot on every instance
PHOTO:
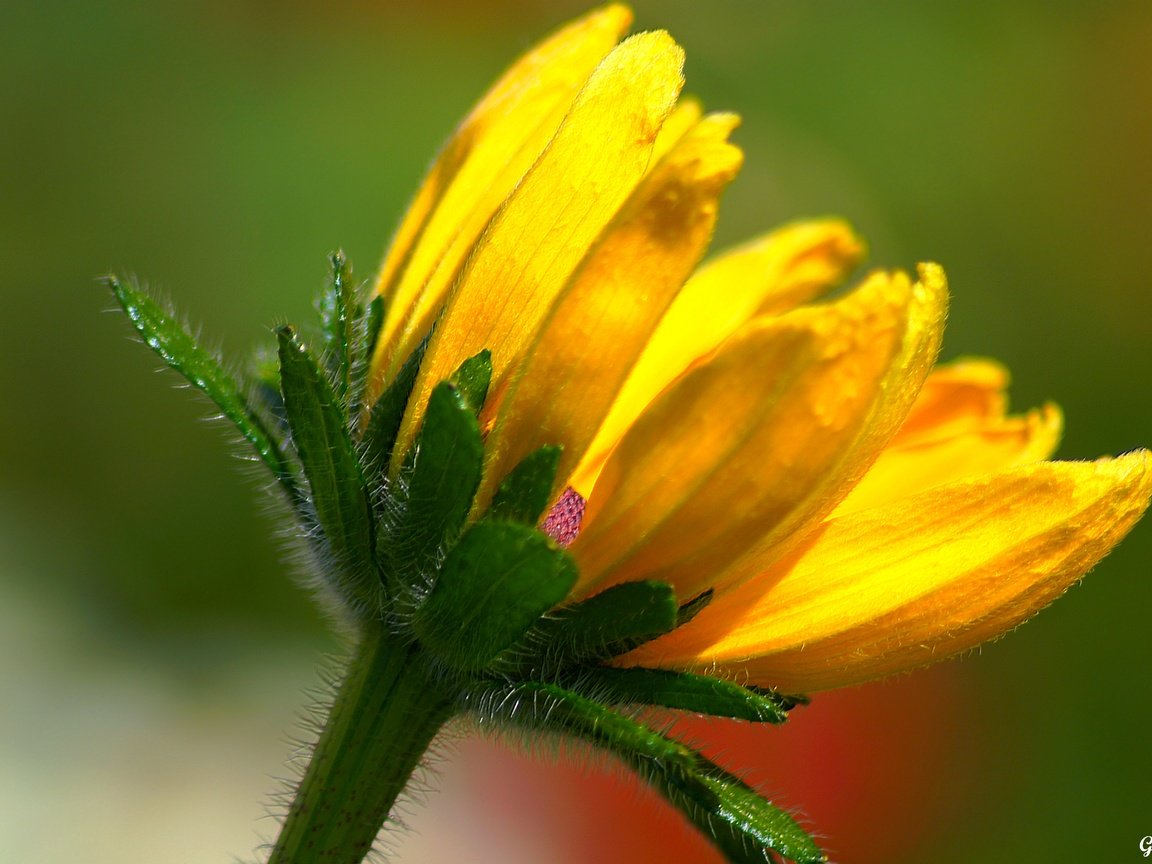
(152, 651)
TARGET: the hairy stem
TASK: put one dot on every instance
(385, 715)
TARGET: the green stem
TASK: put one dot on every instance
(384, 717)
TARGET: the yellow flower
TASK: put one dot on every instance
(854, 512)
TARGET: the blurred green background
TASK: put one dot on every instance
(152, 650)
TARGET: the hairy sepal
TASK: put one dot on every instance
(472, 379)
(524, 494)
(339, 495)
(338, 318)
(744, 825)
(601, 627)
(684, 691)
(427, 511)
(350, 325)
(387, 412)
(177, 348)
(494, 584)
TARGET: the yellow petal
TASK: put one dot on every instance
(750, 447)
(957, 397)
(901, 586)
(767, 276)
(910, 466)
(540, 234)
(478, 168)
(774, 273)
(682, 119)
(956, 429)
(598, 326)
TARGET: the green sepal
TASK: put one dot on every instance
(693, 607)
(685, 692)
(369, 321)
(612, 622)
(543, 705)
(737, 819)
(337, 318)
(526, 491)
(472, 379)
(742, 823)
(495, 582)
(339, 498)
(373, 323)
(728, 811)
(388, 411)
(176, 347)
(433, 502)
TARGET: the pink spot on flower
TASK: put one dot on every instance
(562, 523)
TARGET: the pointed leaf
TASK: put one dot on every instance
(337, 312)
(614, 621)
(472, 379)
(685, 692)
(447, 461)
(373, 322)
(178, 349)
(339, 497)
(693, 607)
(742, 824)
(493, 585)
(387, 412)
(729, 812)
(368, 323)
(545, 706)
(524, 494)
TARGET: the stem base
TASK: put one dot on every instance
(386, 713)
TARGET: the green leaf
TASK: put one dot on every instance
(388, 411)
(493, 585)
(339, 498)
(373, 322)
(736, 818)
(434, 500)
(739, 821)
(742, 823)
(542, 705)
(612, 622)
(526, 492)
(337, 314)
(693, 607)
(685, 692)
(472, 378)
(369, 321)
(179, 350)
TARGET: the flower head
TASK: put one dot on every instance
(571, 467)
(726, 428)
